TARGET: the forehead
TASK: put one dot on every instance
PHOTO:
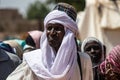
(54, 25)
(92, 42)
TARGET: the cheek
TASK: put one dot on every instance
(60, 35)
(47, 33)
(98, 51)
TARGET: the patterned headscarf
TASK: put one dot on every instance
(111, 66)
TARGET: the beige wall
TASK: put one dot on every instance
(12, 23)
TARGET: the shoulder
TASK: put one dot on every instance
(21, 72)
(84, 56)
(5, 55)
(32, 53)
(13, 57)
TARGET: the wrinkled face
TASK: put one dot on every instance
(55, 33)
(94, 50)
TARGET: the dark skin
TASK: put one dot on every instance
(94, 50)
(55, 33)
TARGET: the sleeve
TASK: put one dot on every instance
(86, 63)
(22, 72)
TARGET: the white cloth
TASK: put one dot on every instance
(62, 18)
(60, 67)
(24, 72)
(100, 19)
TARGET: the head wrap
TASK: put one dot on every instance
(36, 35)
(68, 9)
(89, 39)
(61, 17)
(60, 67)
(113, 59)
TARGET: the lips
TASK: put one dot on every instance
(52, 38)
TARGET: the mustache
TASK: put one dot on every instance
(52, 38)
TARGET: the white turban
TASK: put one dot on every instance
(61, 18)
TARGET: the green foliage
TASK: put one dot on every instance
(37, 11)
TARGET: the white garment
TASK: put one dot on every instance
(24, 72)
(60, 67)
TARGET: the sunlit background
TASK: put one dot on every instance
(98, 18)
(21, 5)
(20, 16)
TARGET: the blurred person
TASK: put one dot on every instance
(110, 68)
(32, 40)
(8, 63)
(6, 47)
(17, 45)
(58, 57)
(95, 49)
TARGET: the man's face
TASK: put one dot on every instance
(55, 33)
(94, 50)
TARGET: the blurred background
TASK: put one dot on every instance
(20, 16)
(95, 18)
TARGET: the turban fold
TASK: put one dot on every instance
(61, 17)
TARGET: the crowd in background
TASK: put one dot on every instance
(104, 67)
(11, 54)
(11, 51)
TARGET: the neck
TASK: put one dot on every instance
(96, 63)
(55, 50)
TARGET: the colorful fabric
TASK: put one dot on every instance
(6, 47)
(20, 42)
(114, 59)
(16, 46)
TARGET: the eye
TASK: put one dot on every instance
(49, 28)
(58, 29)
(88, 49)
(96, 47)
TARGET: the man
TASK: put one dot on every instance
(57, 58)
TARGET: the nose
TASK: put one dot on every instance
(52, 31)
(92, 50)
